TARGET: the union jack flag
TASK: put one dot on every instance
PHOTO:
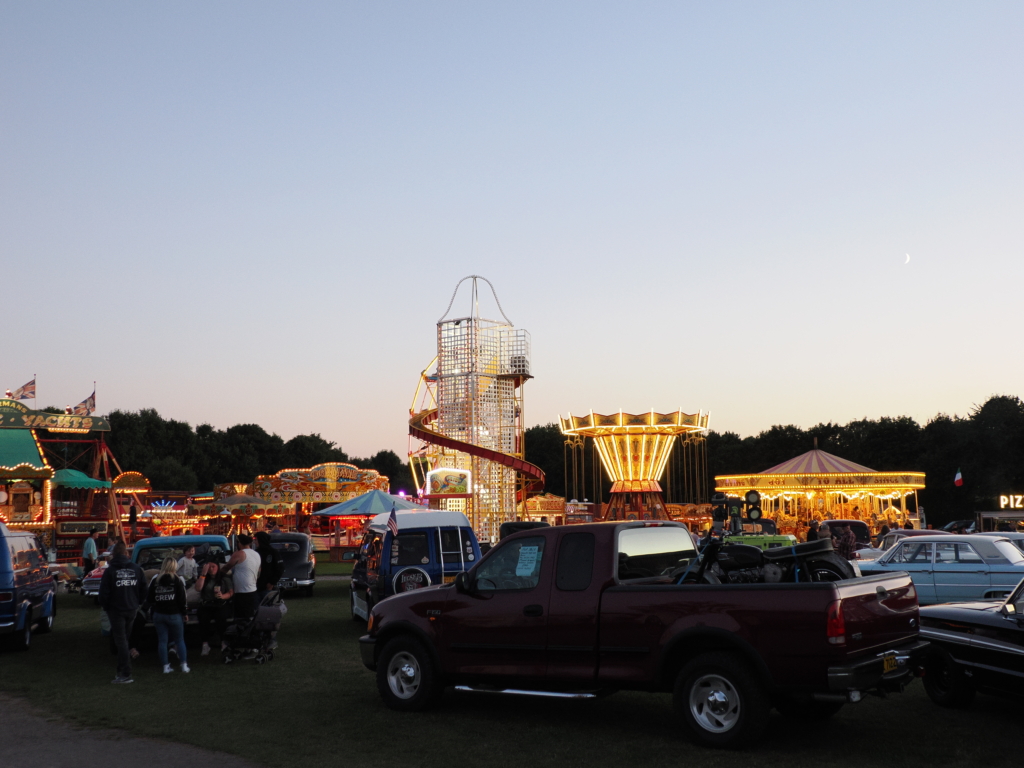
(27, 392)
(86, 407)
(393, 522)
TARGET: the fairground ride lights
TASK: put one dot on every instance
(1011, 501)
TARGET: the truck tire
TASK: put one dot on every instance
(721, 701)
(828, 567)
(406, 678)
(47, 623)
(945, 681)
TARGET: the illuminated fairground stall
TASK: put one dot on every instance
(820, 486)
(634, 451)
(288, 500)
(56, 477)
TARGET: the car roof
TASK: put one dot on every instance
(918, 532)
(986, 543)
(1003, 534)
(289, 536)
(426, 519)
(170, 541)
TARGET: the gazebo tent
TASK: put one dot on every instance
(72, 478)
(820, 486)
(369, 504)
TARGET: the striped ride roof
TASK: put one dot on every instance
(816, 462)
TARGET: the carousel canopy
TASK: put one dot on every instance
(20, 456)
(816, 462)
(371, 503)
(72, 478)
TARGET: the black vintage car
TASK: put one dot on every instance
(975, 647)
(296, 551)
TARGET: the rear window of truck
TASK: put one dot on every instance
(656, 551)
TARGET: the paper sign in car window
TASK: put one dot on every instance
(527, 561)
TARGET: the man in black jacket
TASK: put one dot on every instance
(271, 565)
(122, 591)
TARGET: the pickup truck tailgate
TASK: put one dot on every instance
(878, 611)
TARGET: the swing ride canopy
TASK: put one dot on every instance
(819, 472)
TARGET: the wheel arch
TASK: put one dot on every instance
(407, 629)
(690, 643)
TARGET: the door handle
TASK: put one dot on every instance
(533, 610)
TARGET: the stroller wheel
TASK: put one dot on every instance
(260, 659)
(227, 658)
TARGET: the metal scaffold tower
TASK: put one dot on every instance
(466, 421)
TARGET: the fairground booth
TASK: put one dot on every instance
(819, 486)
(288, 500)
(57, 478)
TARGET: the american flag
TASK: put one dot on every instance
(86, 407)
(393, 522)
(27, 392)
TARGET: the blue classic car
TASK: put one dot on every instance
(954, 568)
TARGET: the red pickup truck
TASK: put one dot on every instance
(581, 610)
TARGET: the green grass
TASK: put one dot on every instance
(326, 568)
(325, 710)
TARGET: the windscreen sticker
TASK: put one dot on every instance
(527, 561)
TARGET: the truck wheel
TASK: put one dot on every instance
(406, 678)
(945, 681)
(721, 701)
(47, 623)
(828, 567)
(22, 640)
(809, 711)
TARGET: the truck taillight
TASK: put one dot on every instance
(835, 625)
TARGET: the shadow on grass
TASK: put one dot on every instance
(315, 702)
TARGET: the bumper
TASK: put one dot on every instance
(367, 647)
(870, 675)
(295, 583)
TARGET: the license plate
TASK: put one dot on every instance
(889, 663)
(449, 579)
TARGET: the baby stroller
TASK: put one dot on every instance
(254, 639)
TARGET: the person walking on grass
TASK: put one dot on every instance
(167, 597)
(89, 553)
(122, 591)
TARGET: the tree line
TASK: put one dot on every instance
(987, 446)
(174, 456)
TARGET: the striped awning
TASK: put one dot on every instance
(816, 462)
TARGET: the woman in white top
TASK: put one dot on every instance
(244, 567)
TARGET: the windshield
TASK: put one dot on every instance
(153, 557)
(654, 551)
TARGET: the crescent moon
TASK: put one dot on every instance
(908, 259)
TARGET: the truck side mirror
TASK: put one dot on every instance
(463, 583)
(348, 557)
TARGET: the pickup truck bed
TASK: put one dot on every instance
(547, 611)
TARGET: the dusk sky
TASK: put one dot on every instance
(257, 212)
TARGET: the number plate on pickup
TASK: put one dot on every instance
(889, 663)
(449, 579)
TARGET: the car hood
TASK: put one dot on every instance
(961, 610)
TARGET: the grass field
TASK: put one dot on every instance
(326, 568)
(316, 704)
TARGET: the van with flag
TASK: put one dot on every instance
(405, 551)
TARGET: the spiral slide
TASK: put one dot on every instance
(418, 428)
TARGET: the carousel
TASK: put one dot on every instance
(819, 486)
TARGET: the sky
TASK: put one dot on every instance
(257, 212)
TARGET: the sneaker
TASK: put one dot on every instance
(206, 650)
(185, 668)
(168, 669)
(122, 680)
(272, 646)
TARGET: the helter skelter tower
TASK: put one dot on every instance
(466, 422)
